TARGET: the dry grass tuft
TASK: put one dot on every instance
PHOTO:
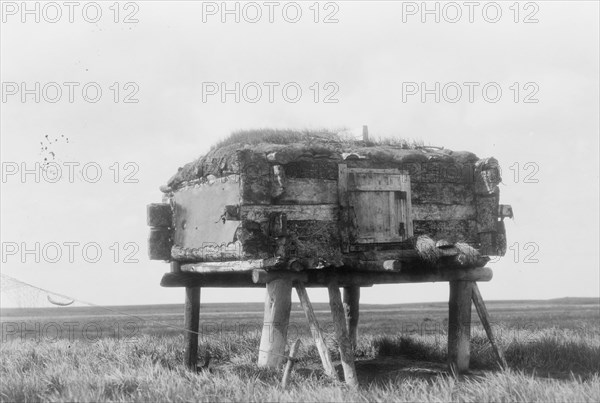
(323, 136)
(427, 249)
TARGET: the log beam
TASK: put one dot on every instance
(290, 364)
(192, 325)
(315, 331)
(215, 280)
(459, 326)
(485, 321)
(278, 304)
(341, 334)
(318, 278)
(351, 309)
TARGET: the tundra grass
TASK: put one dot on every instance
(546, 363)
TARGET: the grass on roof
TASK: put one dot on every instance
(290, 136)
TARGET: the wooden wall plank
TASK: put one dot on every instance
(160, 242)
(442, 193)
(308, 191)
(320, 212)
(255, 176)
(487, 211)
(459, 326)
(442, 212)
(159, 215)
(450, 230)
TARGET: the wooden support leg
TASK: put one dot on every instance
(192, 325)
(341, 333)
(278, 304)
(290, 364)
(351, 302)
(459, 326)
(485, 321)
(315, 331)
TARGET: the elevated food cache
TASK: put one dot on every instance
(289, 209)
(311, 200)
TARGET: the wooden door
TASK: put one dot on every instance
(375, 205)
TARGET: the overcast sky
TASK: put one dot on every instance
(544, 130)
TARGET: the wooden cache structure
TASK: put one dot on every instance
(329, 213)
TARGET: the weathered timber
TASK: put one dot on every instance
(355, 278)
(290, 363)
(325, 191)
(345, 278)
(314, 242)
(160, 241)
(346, 226)
(315, 331)
(321, 212)
(229, 266)
(505, 211)
(377, 202)
(459, 326)
(308, 191)
(312, 168)
(175, 267)
(419, 167)
(487, 176)
(320, 278)
(208, 252)
(485, 321)
(351, 309)
(442, 193)
(394, 254)
(341, 334)
(255, 175)
(487, 211)
(279, 181)
(500, 239)
(192, 325)
(447, 259)
(263, 276)
(215, 280)
(451, 230)
(278, 305)
(493, 243)
(442, 212)
(198, 213)
(352, 264)
(159, 215)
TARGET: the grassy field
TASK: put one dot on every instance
(89, 354)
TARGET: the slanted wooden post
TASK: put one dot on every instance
(351, 302)
(485, 321)
(316, 331)
(341, 334)
(278, 304)
(290, 364)
(459, 326)
(192, 325)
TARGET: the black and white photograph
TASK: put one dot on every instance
(300, 201)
